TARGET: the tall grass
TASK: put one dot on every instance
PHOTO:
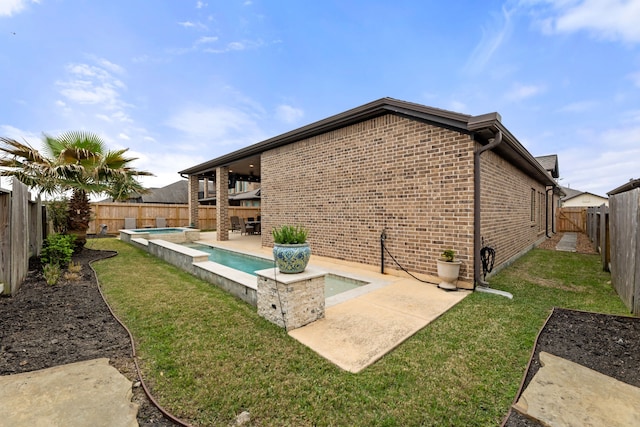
(208, 356)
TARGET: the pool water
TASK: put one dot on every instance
(333, 284)
(247, 263)
(158, 230)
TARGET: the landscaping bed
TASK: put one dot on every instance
(44, 326)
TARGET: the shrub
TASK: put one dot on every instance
(449, 255)
(289, 235)
(58, 249)
(57, 211)
(51, 273)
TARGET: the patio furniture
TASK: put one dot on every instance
(130, 223)
(244, 228)
(235, 223)
(161, 222)
(255, 225)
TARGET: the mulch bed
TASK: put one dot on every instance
(44, 326)
(607, 344)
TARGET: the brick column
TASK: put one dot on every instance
(193, 200)
(222, 203)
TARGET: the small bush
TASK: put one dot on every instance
(74, 267)
(51, 273)
(289, 235)
(58, 249)
(57, 211)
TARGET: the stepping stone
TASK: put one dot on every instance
(566, 394)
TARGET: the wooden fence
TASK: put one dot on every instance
(20, 235)
(624, 227)
(572, 220)
(113, 214)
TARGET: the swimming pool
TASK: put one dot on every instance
(333, 284)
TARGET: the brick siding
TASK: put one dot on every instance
(506, 219)
(411, 178)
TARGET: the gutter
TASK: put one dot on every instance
(497, 140)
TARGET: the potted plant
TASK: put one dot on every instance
(448, 270)
(291, 250)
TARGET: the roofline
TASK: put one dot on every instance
(364, 112)
(580, 194)
(634, 183)
(482, 127)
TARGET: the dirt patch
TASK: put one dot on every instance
(583, 245)
(604, 343)
(44, 326)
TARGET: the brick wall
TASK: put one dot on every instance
(346, 186)
(508, 223)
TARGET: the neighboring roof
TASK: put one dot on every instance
(550, 163)
(633, 183)
(572, 193)
(483, 127)
(175, 193)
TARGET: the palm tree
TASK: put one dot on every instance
(74, 161)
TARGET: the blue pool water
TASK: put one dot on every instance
(247, 263)
(158, 230)
(333, 284)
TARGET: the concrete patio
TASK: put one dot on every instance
(364, 324)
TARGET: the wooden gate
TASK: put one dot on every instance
(572, 219)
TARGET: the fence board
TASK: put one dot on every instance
(5, 240)
(572, 220)
(625, 247)
(113, 214)
(19, 235)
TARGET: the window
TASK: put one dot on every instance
(533, 205)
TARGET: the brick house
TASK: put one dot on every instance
(430, 179)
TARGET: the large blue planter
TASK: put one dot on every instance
(291, 258)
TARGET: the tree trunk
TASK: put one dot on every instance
(79, 216)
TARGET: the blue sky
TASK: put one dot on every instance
(179, 82)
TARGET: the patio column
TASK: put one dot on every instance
(206, 189)
(222, 203)
(193, 200)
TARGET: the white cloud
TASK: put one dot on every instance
(635, 78)
(196, 25)
(200, 5)
(615, 20)
(288, 114)
(222, 125)
(519, 91)
(237, 46)
(11, 7)
(602, 161)
(202, 40)
(124, 136)
(578, 107)
(92, 85)
(490, 42)
(458, 106)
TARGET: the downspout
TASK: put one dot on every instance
(476, 209)
(546, 211)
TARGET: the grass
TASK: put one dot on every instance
(208, 356)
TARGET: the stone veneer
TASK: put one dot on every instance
(298, 297)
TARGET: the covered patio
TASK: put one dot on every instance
(225, 173)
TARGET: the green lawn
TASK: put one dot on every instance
(207, 356)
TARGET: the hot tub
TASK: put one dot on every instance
(169, 234)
